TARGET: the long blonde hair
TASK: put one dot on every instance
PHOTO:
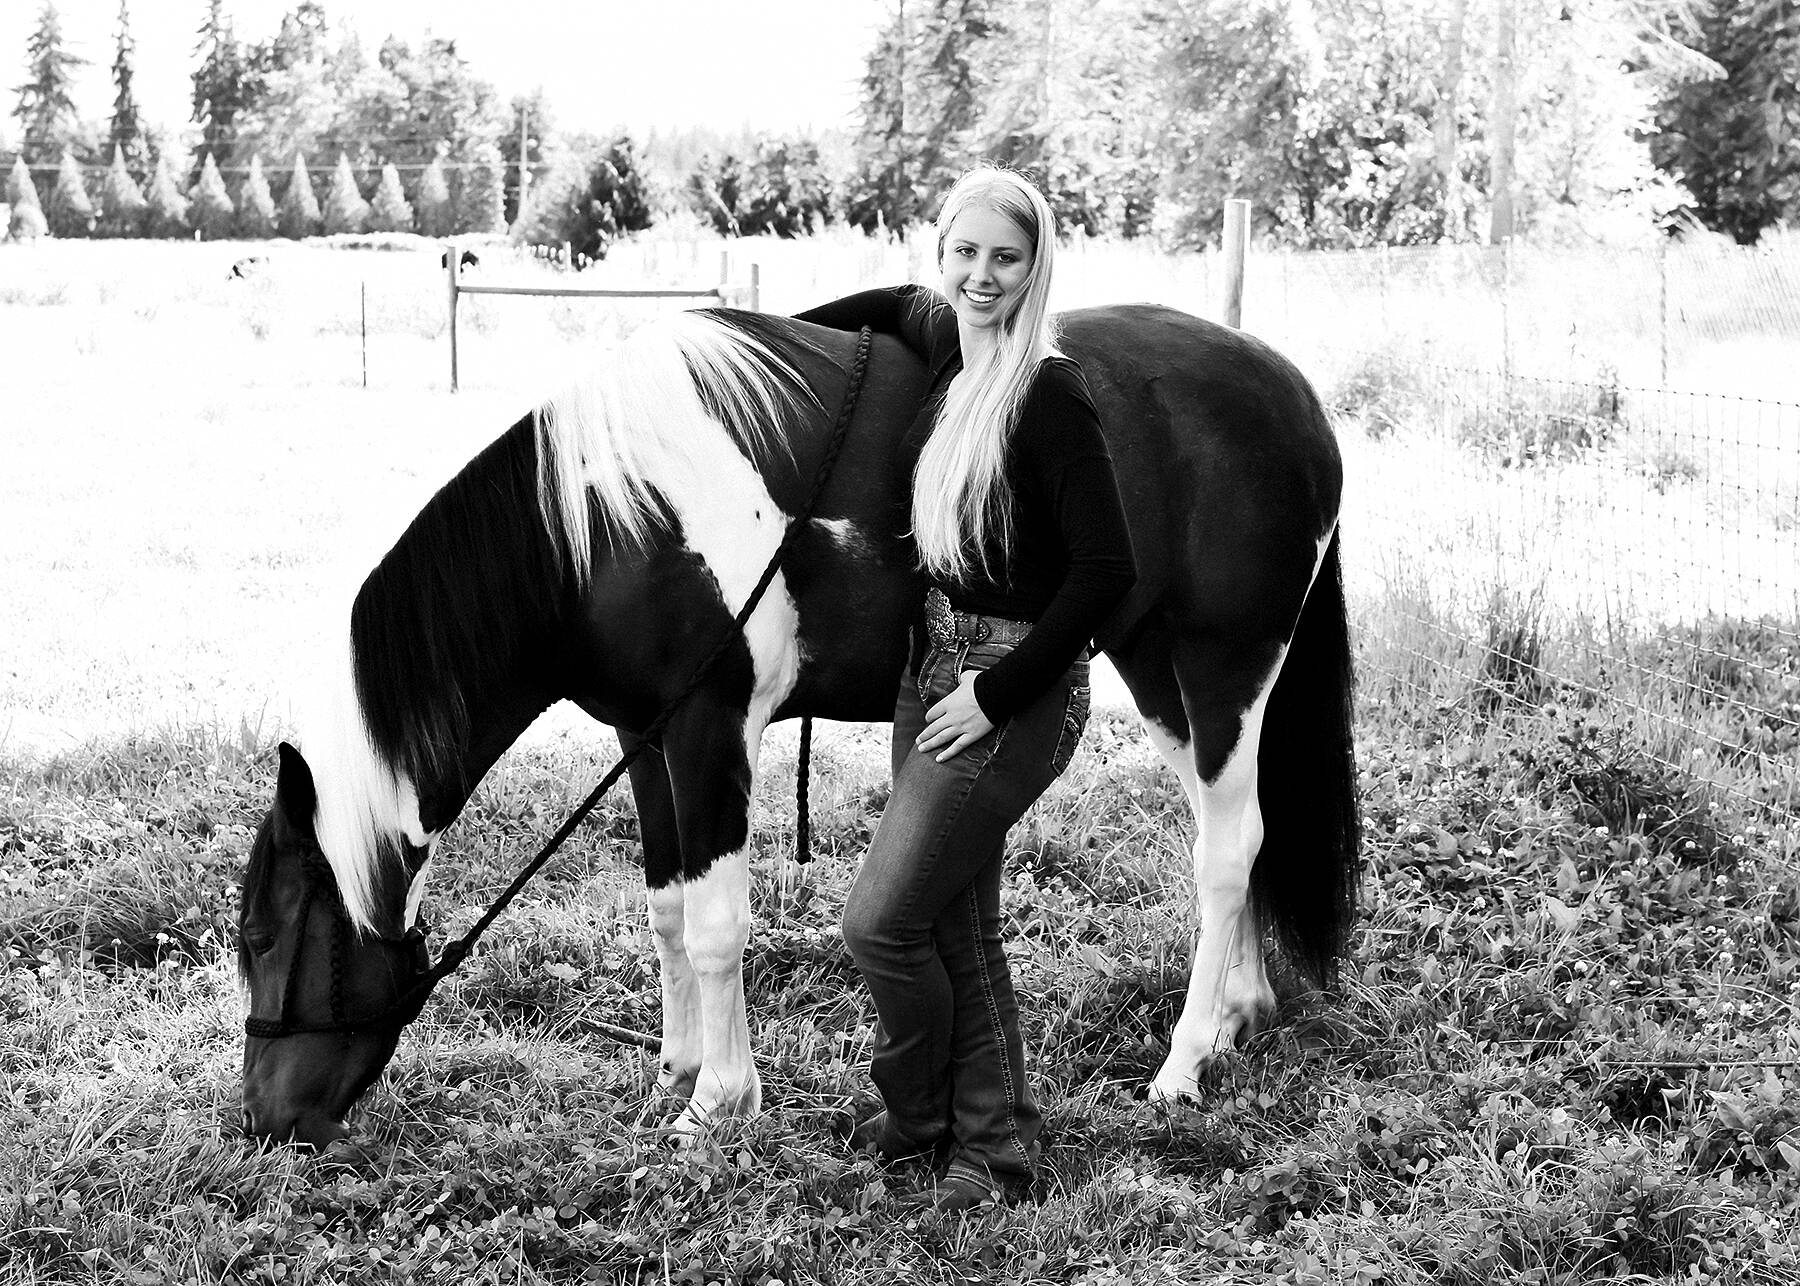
(960, 499)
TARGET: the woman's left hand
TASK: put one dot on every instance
(955, 723)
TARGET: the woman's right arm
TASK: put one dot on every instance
(916, 315)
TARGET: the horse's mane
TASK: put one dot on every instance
(650, 415)
(476, 584)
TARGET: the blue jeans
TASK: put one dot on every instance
(923, 921)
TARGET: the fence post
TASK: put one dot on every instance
(756, 287)
(363, 296)
(1237, 242)
(450, 265)
(1662, 310)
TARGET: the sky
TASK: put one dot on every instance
(773, 65)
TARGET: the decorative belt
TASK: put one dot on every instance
(947, 627)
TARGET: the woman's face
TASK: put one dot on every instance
(986, 265)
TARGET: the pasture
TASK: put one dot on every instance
(1564, 1049)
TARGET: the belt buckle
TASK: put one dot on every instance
(940, 621)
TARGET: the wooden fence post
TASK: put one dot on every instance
(1237, 243)
(450, 265)
(756, 287)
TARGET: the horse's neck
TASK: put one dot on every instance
(496, 721)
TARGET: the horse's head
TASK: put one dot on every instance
(327, 997)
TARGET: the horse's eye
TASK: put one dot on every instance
(260, 943)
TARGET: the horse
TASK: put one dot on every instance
(598, 550)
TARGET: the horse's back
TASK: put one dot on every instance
(1226, 460)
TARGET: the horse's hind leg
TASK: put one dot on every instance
(1202, 728)
(682, 1040)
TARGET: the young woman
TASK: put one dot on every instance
(1022, 539)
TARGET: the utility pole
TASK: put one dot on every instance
(900, 208)
(524, 155)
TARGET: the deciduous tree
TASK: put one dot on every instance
(480, 195)
(1734, 140)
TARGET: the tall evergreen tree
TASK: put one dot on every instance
(388, 209)
(127, 130)
(345, 209)
(70, 211)
(46, 110)
(212, 212)
(431, 203)
(256, 207)
(167, 216)
(299, 215)
(122, 203)
(225, 84)
(1734, 141)
(27, 221)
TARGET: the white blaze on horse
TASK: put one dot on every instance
(597, 553)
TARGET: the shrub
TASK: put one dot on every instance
(256, 207)
(168, 212)
(70, 212)
(390, 211)
(785, 192)
(431, 203)
(122, 204)
(715, 190)
(299, 216)
(591, 206)
(212, 211)
(345, 209)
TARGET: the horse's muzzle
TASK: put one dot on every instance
(315, 1130)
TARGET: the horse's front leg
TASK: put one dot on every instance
(712, 769)
(682, 1039)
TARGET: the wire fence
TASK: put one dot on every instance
(1573, 477)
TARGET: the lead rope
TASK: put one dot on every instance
(802, 822)
(456, 952)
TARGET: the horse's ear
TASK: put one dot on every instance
(296, 798)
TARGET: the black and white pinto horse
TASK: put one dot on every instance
(597, 551)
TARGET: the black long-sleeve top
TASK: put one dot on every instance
(1070, 560)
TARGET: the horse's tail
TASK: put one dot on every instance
(1304, 882)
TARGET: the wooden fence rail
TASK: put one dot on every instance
(727, 295)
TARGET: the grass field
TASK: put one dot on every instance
(1564, 1050)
